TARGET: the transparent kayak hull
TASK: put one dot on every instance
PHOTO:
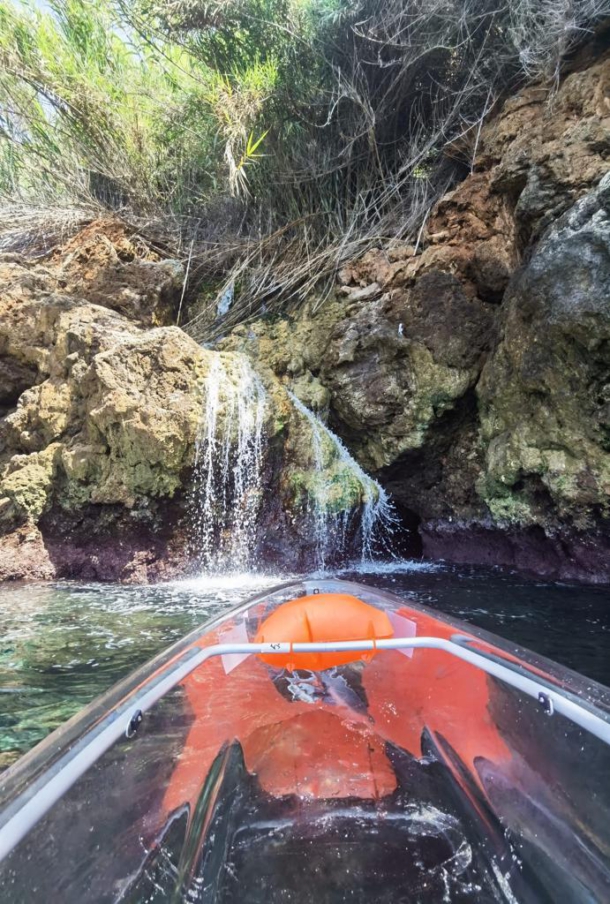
(411, 777)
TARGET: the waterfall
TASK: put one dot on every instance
(345, 509)
(228, 468)
(330, 526)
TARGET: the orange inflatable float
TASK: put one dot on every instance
(324, 617)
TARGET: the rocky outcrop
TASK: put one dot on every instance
(106, 263)
(545, 392)
(111, 265)
(98, 429)
(100, 415)
(470, 374)
(544, 462)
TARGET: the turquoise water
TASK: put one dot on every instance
(62, 644)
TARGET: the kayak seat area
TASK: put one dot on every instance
(400, 848)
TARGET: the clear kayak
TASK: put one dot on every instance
(324, 742)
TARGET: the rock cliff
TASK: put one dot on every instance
(471, 374)
(100, 412)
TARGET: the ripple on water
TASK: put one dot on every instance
(62, 644)
(65, 643)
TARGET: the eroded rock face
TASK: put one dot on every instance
(109, 417)
(98, 437)
(471, 375)
(544, 470)
(111, 265)
(107, 264)
(545, 393)
(398, 365)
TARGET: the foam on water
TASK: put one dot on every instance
(393, 566)
(251, 581)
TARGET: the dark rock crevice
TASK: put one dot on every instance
(438, 479)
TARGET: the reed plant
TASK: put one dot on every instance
(270, 141)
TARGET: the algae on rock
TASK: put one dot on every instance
(98, 438)
(544, 411)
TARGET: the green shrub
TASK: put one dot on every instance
(273, 139)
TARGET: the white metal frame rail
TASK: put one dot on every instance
(22, 814)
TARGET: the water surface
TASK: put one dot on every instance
(62, 644)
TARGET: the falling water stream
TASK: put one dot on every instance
(331, 527)
(350, 513)
(229, 457)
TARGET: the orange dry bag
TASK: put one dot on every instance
(323, 617)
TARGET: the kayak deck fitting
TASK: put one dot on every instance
(315, 748)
